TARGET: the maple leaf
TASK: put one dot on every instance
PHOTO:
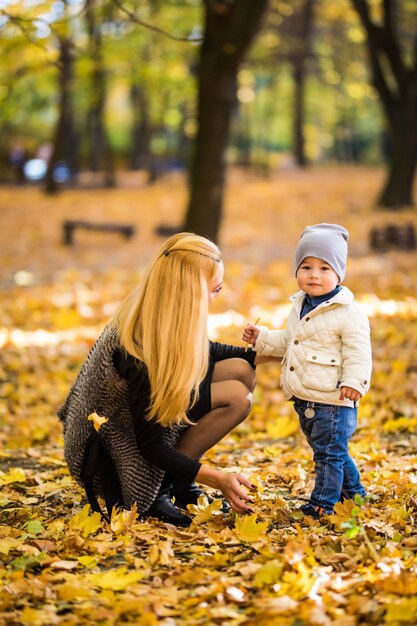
(204, 510)
(400, 423)
(402, 584)
(161, 553)
(71, 592)
(115, 579)
(282, 427)
(404, 611)
(85, 522)
(248, 529)
(31, 617)
(9, 544)
(15, 475)
(34, 527)
(97, 420)
(343, 511)
(88, 561)
(269, 573)
(122, 519)
(259, 488)
(302, 580)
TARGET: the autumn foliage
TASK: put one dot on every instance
(62, 565)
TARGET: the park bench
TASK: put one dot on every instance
(69, 226)
(399, 236)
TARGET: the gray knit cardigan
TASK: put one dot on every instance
(99, 388)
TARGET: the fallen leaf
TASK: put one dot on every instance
(248, 529)
(84, 522)
(204, 511)
(97, 420)
(14, 475)
(115, 579)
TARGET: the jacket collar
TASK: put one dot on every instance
(344, 296)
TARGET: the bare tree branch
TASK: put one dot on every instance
(392, 47)
(373, 33)
(134, 18)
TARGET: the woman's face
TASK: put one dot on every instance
(215, 285)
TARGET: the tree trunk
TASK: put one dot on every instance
(395, 80)
(65, 124)
(398, 190)
(142, 132)
(229, 30)
(101, 157)
(301, 23)
(298, 128)
(215, 105)
(183, 149)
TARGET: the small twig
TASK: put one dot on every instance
(247, 343)
(134, 18)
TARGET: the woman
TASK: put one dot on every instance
(167, 392)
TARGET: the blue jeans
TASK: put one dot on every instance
(328, 433)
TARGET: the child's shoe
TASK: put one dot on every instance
(314, 511)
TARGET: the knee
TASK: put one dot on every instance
(240, 400)
(246, 374)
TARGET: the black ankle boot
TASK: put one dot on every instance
(188, 493)
(164, 510)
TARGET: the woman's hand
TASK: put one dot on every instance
(250, 333)
(231, 486)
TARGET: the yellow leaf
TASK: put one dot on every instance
(404, 611)
(269, 573)
(282, 427)
(115, 579)
(301, 580)
(161, 553)
(259, 487)
(85, 522)
(9, 544)
(122, 520)
(403, 584)
(248, 529)
(30, 617)
(70, 592)
(410, 542)
(401, 423)
(342, 511)
(15, 475)
(97, 420)
(88, 561)
(204, 511)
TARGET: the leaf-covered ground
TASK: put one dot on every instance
(61, 565)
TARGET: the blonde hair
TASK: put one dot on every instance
(164, 324)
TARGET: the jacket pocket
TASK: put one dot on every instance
(321, 371)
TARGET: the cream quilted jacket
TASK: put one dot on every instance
(327, 349)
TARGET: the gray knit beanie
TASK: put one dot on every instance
(327, 242)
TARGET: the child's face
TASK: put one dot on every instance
(316, 277)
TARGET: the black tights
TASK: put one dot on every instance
(231, 400)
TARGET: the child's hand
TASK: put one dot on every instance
(347, 393)
(250, 333)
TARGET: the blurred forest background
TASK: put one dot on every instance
(243, 120)
(93, 87)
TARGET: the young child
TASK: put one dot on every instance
(327, 361)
